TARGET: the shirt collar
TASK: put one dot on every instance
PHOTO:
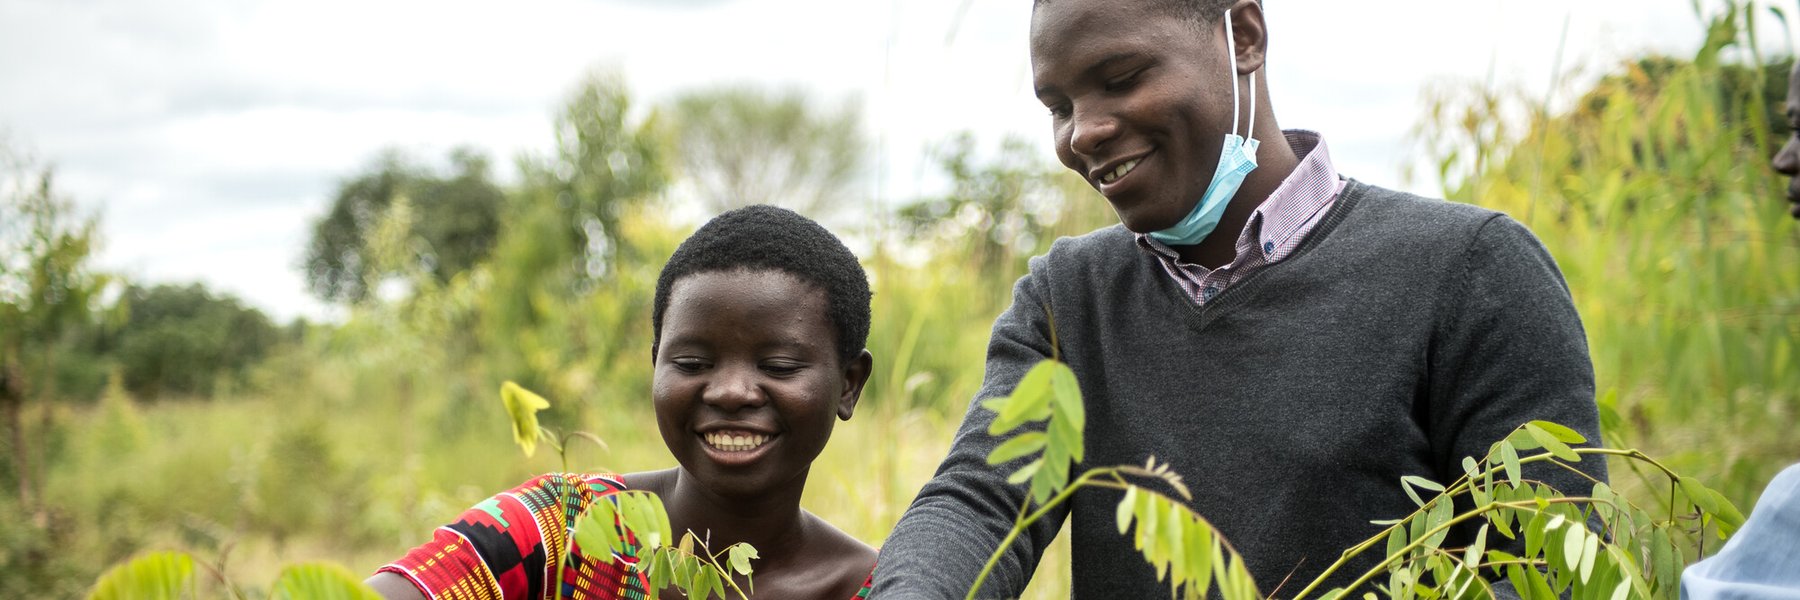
(1308, 189)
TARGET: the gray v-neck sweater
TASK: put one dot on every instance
(1404, 334)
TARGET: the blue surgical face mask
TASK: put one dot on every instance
(1236, 160)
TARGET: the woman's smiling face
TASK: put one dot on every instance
(748, 381)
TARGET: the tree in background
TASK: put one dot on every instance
(743, 145)
(603, 164)
(47, 287)
(1654, 193)
(459, 220)
(996, 210)
(567, 236)
(181, 339)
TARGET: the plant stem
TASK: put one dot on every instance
(1370, 574)
(1012, 535)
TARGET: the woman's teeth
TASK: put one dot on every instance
(1121, 171)
(735, 442)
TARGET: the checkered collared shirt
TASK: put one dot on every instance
(1273, 231)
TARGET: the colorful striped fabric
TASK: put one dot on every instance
(497, 550)
(1279, 224)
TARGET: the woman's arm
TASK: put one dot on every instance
(394, 587)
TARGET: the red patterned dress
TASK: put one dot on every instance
(497, 550)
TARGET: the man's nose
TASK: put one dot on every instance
(1091, 130)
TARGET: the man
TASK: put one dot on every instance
(1291, 341)
(1787, 161)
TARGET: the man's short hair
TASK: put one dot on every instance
(762, 237)
(1200, 12)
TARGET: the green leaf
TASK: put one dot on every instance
(1534, 535)
(154, 576)
(1540, 588)
(596, 530)
(707, 583)
(1521, 439)
(1173, 532)
(1573, 538)
(1516, 575)
(1202, 547)
(739, 555)
(1471, 468)
(321, 581)
(1562, 434)
(1664, 567)
(1410, 481)
(1510, 457)
(1029, 401)
(1727, 516)
(1440, 514)
(1023, 444)
(1551, 444)
(660, 529)
(1067, 395)
(1472, 554)
(634, 507)
(1146, 520)
(1024, 473)
(1124, 510)
(1065, 441)
(1589, 552)
(522, 407)
(1397, 541)
(662, 571)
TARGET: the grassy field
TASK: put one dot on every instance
(1653, 193)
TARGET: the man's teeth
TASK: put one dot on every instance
(735, 443)
(1120, 172)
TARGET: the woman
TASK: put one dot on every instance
(759, 323)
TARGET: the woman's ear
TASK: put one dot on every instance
(856, 374)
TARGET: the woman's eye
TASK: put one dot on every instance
(782, 368)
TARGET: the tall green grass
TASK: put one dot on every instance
(1653, 193)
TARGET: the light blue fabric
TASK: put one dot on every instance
(1763, 559)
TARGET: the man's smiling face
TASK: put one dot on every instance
(1140, 102)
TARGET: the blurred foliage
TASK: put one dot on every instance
(995, 211)
(743, 145)
(182, 339)
(460, 221)
(1655, 195)
(48, 289)
(352, 440)
(606, 161)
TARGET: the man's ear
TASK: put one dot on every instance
(856, 374)
(1250, 34)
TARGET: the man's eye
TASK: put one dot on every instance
(1122, 83)
(1059, 111)
(689, 365)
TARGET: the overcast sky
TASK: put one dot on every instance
(211, 133)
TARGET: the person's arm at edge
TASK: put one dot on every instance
(394, 587)
(960, 516)
(1511, 350)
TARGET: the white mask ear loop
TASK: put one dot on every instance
(1231, 63)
